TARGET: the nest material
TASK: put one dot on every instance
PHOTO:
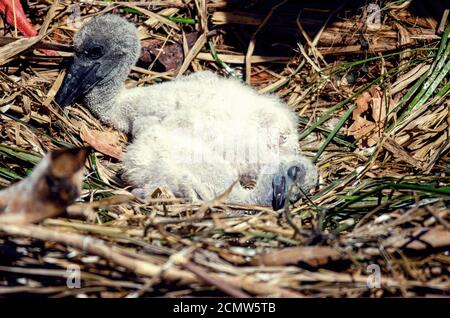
(372, 113)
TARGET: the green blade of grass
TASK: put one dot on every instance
(288, 78)
(221, 63)
(182, 20)
(438, 79)
(9, 174)
(23, 155)
(444, 191)
(443, 40)
(403, 101)
(334, 132)
(132, 10)
(431, 82)
(345, 66)
(443, 90)
(338, 138)
(327, 115)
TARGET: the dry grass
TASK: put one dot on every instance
(373, 114)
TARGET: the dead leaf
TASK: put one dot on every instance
(372, 103)
(312, 255)
(361, 128)
(362, 103)
(106, 142)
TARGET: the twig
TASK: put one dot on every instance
(252, 44)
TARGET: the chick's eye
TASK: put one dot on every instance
(95, 52)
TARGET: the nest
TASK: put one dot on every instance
(371, 97)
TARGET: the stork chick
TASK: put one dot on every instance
(195, 135)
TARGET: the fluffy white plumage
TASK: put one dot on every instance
(197, 134)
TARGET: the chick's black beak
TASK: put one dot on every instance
(279, 192)
(81, 78)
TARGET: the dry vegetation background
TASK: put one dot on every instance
(373, 113)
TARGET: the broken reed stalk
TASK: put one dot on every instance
(252, 44)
